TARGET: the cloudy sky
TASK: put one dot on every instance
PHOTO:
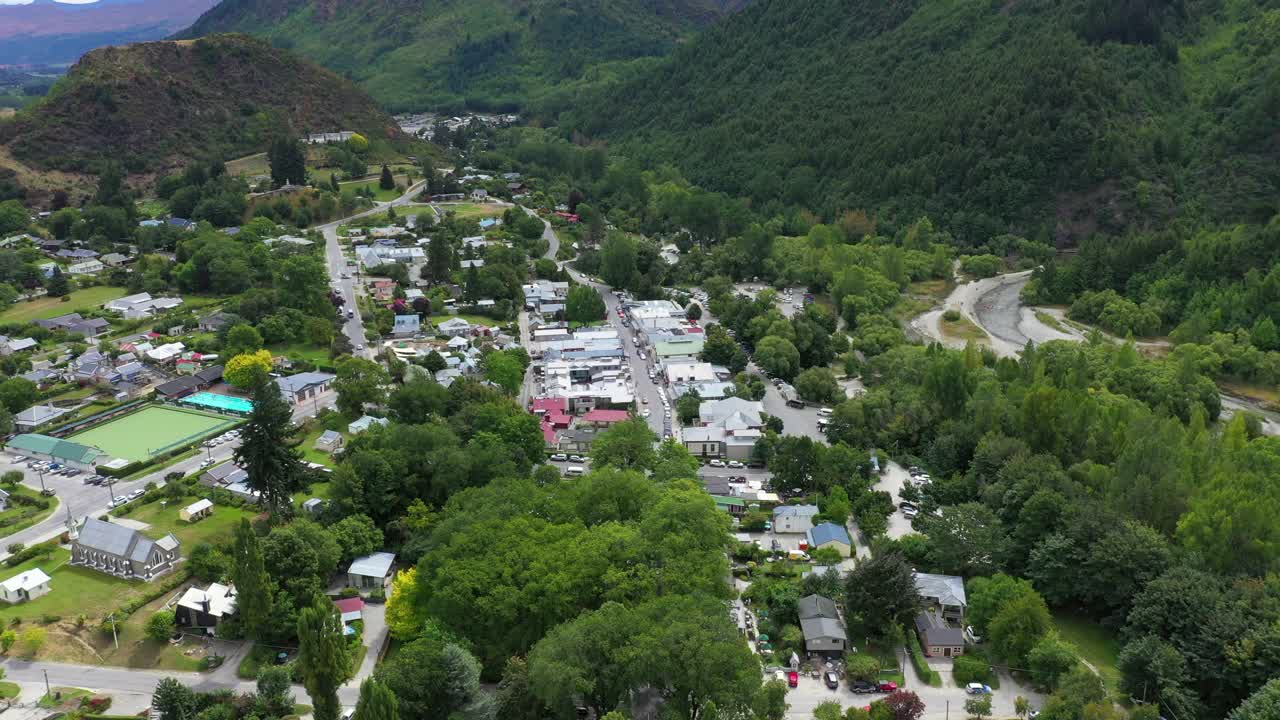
(65, 2)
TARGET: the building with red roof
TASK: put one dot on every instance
(604, 418)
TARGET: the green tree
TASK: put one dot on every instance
(288, 162)
(323, 658)
(978, 707)
(688, 407)
(515, 699)
(432, 677)
(882, 592)
(778, 357)
(244, 369)
(770, 701)
(376, 702)
(618, 259)
(241, 339)
(505, 370)
(57, 285)
(160, 626)
(1263, 704)
(584, 305)
(818, 385)
(33, 640)
(360, 382)
(829, 710)
(626, 446)
(1050, 659)
(863, 666)
(1019, 625)
(18, 394)
(173, 701)
(13, 217)
(253, 586)
(721, 349)
(357, 536)
(273, 466)
(386, 181)
(275, 700)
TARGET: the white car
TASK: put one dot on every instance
(735, 465)
(577, 458)
(716, 463)
(666, 413)
(559, 457)
(645, 413)
(644, 400)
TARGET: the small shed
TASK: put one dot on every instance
(197, 510)
(313, 506)
(26, 586)
(329, 441)
(371, 571)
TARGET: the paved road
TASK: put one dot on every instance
(342, 276)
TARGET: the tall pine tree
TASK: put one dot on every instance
(253, 586)
(387, 181)
(288, 162)
(376, 702)
(323, 659)
(274, 467)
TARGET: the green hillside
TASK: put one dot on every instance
(486, 54)
(154, 105)
(1050, 118)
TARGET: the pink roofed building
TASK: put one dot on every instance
(549, 405)
(605, 418)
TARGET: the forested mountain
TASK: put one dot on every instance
(487, 54)
(152, 105)
(57, 33)
(1050, 118)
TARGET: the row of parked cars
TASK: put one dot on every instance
(119, 500)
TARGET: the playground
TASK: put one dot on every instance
(151, 431)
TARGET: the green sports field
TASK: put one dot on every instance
(139, 435)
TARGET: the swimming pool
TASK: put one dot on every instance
(220, 402)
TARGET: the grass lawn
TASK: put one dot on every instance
(76, 393)
(219, 526)
(43, 308)
(153, 207)
(151, 430)
(73, 590)
(1051, 321)
(20, 517)
(473, 319)
(302, 351)
(9, 690)
(378, 192)
(139, 651)
(322, 490)
(963, 329)
(1260, 393)
(1096, 644)
(472, 211)
(311, 454)
(255, 164)
(65, 696)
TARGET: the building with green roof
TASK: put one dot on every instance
(735, 506)
(44, 447)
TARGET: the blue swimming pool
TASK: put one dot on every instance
(220, 402)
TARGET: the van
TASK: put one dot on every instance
(574, 471)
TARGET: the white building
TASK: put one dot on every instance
(25, 586)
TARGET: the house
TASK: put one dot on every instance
(209, 375)
(214, 321)
(166, 354)
(944, 594)
(794, 518)
(313, 507)
(24, 586)
(830, 535)
(330, 441)
(713, 412)
(205, 608)
(820, 621)
(577, 439)
(43, 447)
(77, 254)
(121, 551)
(9, 346)
(364, 423)
(468, 264)
(43, 379)
(131, 370)
(76, 324)
(114, 259)
(938, 639)
(730, 429)
(351, 609)
(371, 571)
(87, 267)
(479, 195)
(601, 418)
(304, 386)
(126, 302)
(406, 326)
(454, 327)
(197, 510)
(224, 474)
(178, 388)
(735, 506)
(181, 223)
(37, 415)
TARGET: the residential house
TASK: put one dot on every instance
(114, 259)
(121, 551)
(196, 511)
(224, 474)
(454, 327)
(37, 416)
(214, 321)
(43, 379)
(371, 571)
(210, 375)
(304, 386)
(364, 423)
(604, 419)
(943, 594)
(730, 429)
(688, 372)
(24, 586)
(181, 223)
(937, 638)
(406, 326)
(313, 506)
(350, 609)
(577, 439)
(86, 267)
(206, 608)
(830, 535)
(9, 346)
(75, 323)
(178, 388)
(330, 441)
(130, 371)
(66, 452)
(735, 506)
(468, 264)
(794, 518)
(77, 254)
(824, 632)
(166, 354)
(479, 195)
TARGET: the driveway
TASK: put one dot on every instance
(892, 480)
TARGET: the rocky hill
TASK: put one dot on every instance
(486, 54)
(161, 104)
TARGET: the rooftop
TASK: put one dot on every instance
(375, 565)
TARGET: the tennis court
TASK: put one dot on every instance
(151, 431)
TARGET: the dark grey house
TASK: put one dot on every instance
(820, 620)
(121, 551)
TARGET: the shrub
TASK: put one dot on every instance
(971, 668)
(35, 551)
(951, 315)
(348, 592)
(50, 619)
(923, 670)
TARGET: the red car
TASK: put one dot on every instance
(887, 686)
(793, 679)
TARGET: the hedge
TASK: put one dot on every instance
(971, 668)
(42, 550)
(918, 659)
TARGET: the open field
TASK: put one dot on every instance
(378, 192)
(20, 517)
(139, 435)
(43, 308)
(255, 164)
(963, 329)
(74, 590)
(163, 519)
(1098, 646)
(472, 211)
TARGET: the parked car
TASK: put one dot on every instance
(862, 687)
(977, 689)
(559, 457)
(137, 494)
(716, 463)
(887, 686)
(117, 501)
(48, 492)
(972, 636)
(832, 679)
(735, 464)
(577, 458)
(793, 679)
(645, 413)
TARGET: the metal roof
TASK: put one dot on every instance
(374, 565)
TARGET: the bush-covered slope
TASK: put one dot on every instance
(489, 54)
(1052, 118)
(156, 104)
